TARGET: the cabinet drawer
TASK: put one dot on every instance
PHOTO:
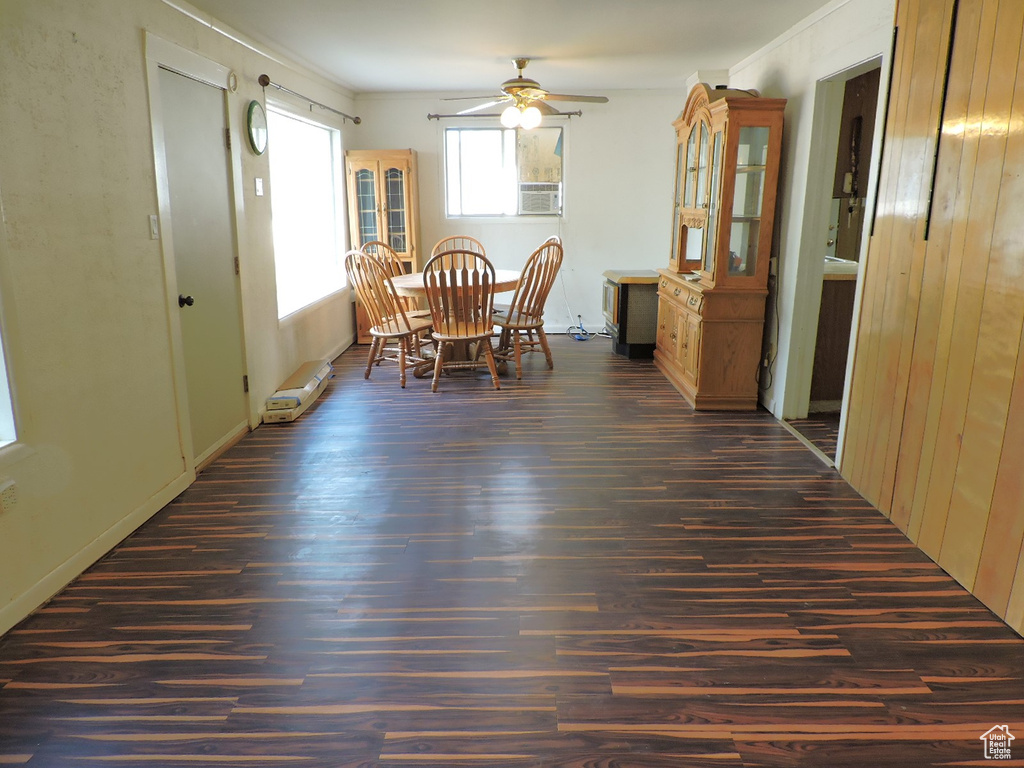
(682, 296)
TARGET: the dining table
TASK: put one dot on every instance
(411, 285)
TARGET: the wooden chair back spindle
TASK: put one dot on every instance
(393, 266)
(458, 243)
(459, 285)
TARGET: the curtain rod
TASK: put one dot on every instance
(431, 116)
(264, 80)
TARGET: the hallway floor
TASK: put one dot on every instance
(821, 430)
(577, 570)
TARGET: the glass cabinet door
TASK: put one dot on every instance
(381, 200)
(751, 160)
(675, 258)
(716, 180)
(394, 194)
(691, 168)
(366, 205)
(702, 167)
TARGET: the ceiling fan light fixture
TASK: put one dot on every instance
(527, 101)
(511, 117)
(530, 118)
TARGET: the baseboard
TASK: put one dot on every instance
(215, 450)
(25, 603)
(348, 342)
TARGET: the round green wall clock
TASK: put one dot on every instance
(257, 124)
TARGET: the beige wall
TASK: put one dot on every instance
(86, 319)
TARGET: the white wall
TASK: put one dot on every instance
(618, 189)
(842, 35)
(87, 324)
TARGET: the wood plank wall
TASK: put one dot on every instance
(935, 435)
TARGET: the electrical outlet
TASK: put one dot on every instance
(8, 495)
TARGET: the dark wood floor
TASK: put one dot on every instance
(577, 570)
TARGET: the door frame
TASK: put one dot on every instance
(828, 107)
(162, 54)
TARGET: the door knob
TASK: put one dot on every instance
(185, 301)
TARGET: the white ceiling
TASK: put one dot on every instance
(576, 46)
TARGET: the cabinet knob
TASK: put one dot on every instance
(677, 291)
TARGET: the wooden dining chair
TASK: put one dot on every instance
(524, 317)
(394, 267)
(459, 285)
(458, 243)
(389, 320)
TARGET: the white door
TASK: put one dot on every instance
(199, 179)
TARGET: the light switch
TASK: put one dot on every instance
(259, 187)
(154, 227)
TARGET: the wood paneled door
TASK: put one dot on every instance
(935, 433)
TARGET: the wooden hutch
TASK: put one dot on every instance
(711, 299)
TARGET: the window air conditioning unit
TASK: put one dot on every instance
(540, 197)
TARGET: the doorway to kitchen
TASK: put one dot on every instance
(852, 125)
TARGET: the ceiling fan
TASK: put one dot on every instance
(526, 99)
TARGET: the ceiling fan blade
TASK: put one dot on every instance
(478, 107)
(467, 98)
(545, 109)
(567, 97)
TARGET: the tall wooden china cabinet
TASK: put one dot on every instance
(711, 299)
(382, 206)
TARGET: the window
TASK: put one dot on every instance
(8, 434)
(308, 210)
(503, 171)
